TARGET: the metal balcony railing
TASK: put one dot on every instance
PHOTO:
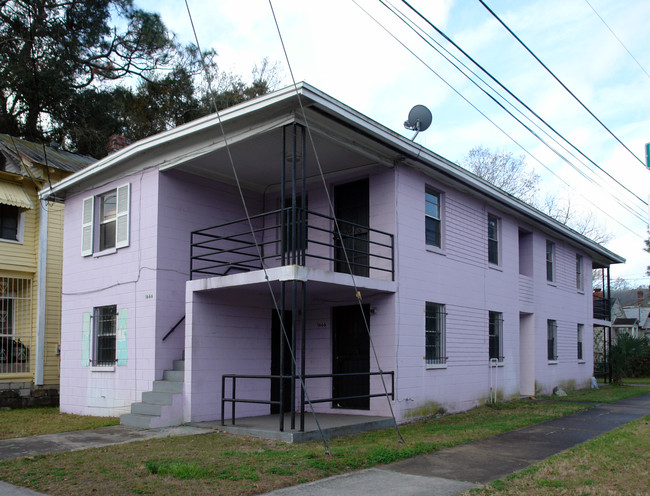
(291, 237)
(602, 308)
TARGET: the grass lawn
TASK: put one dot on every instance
(25, 422)
(223, 464)
(617, 462)
(605, 394)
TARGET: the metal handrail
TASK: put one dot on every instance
(234, 400)
(214, 250)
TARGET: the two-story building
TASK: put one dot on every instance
(290, 251)
(31, 248)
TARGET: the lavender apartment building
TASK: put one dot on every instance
(173, 289)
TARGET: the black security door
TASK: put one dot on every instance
(278, 339)
(351, 353)
(351, 207)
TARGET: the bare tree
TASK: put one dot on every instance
(511, 174)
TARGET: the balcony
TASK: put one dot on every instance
(291, 236)
(602, 308)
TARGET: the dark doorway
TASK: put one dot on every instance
(351, 353)
(277, 339)
(351, 207)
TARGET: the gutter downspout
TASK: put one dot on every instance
(42, 293)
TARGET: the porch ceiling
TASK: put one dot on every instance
(257, 156)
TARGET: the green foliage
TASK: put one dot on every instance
(630, 357)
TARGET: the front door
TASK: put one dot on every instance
(351, 353)
(351, 207)
(277, 340)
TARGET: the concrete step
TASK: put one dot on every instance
(157, 398)
(137, 420)
(179, 365)
(167, 387)
(146, 409)
(174, 375)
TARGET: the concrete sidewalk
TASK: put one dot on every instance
(443, 473)
(456, 470)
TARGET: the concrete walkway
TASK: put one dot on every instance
(446, 472)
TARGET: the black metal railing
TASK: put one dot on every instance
(274, 241)
(233, 400)
(602, 308)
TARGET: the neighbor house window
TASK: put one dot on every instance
(105, 221)
(580, 328)
(433, 228)
(435, 334)
(550, 256)
(579, 279)
(551, 326)
(105, 335)
(495, 331)
(9, 222)
(493, 239)
(15, 324)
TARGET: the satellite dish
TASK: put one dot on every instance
(419, 119)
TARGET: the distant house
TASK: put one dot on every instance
(31, 250)
(292, 250)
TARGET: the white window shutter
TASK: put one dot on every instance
(87, 221)
(123, 207)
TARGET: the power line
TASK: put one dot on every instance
(413, 27)
(558, 80)
(618, 39)
(490, 120)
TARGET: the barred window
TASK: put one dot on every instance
(551, 326)
(435, 334)
(15, 324)
(496, 335)
(105, 334)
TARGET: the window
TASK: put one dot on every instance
(15, 324)
(579, 280)
(435, 334)
(493, 239)
(551, 326)
(105, 335)
(432, 218)
(550, 255)
(495, 336)
(9, 222)
(580, 328)
(110, 229)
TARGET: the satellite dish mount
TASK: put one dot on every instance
(419, 120)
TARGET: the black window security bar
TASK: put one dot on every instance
(230, 247)
(233, 400)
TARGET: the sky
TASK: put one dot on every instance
(350, 50)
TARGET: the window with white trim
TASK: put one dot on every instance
(495, 336)
(579, 331)
(493, 239)
(550, 261)
(104, 335)
(580, 285)
(551, 340)
(435, 324)
(105, 221)
(432, 218)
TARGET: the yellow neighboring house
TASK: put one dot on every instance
(31, 249)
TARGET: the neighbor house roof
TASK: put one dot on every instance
(638, 313)
(308, 105)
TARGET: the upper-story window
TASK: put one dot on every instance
(9, 222)
(433, 218)
(550, 261)
(493, 239)
(580, 285)
(109, 229)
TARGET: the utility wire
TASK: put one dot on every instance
(558, 80)
(419, 31)
(618, 39)
(413, 26)
(390, 33)
(257, 246)
(336, 223)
